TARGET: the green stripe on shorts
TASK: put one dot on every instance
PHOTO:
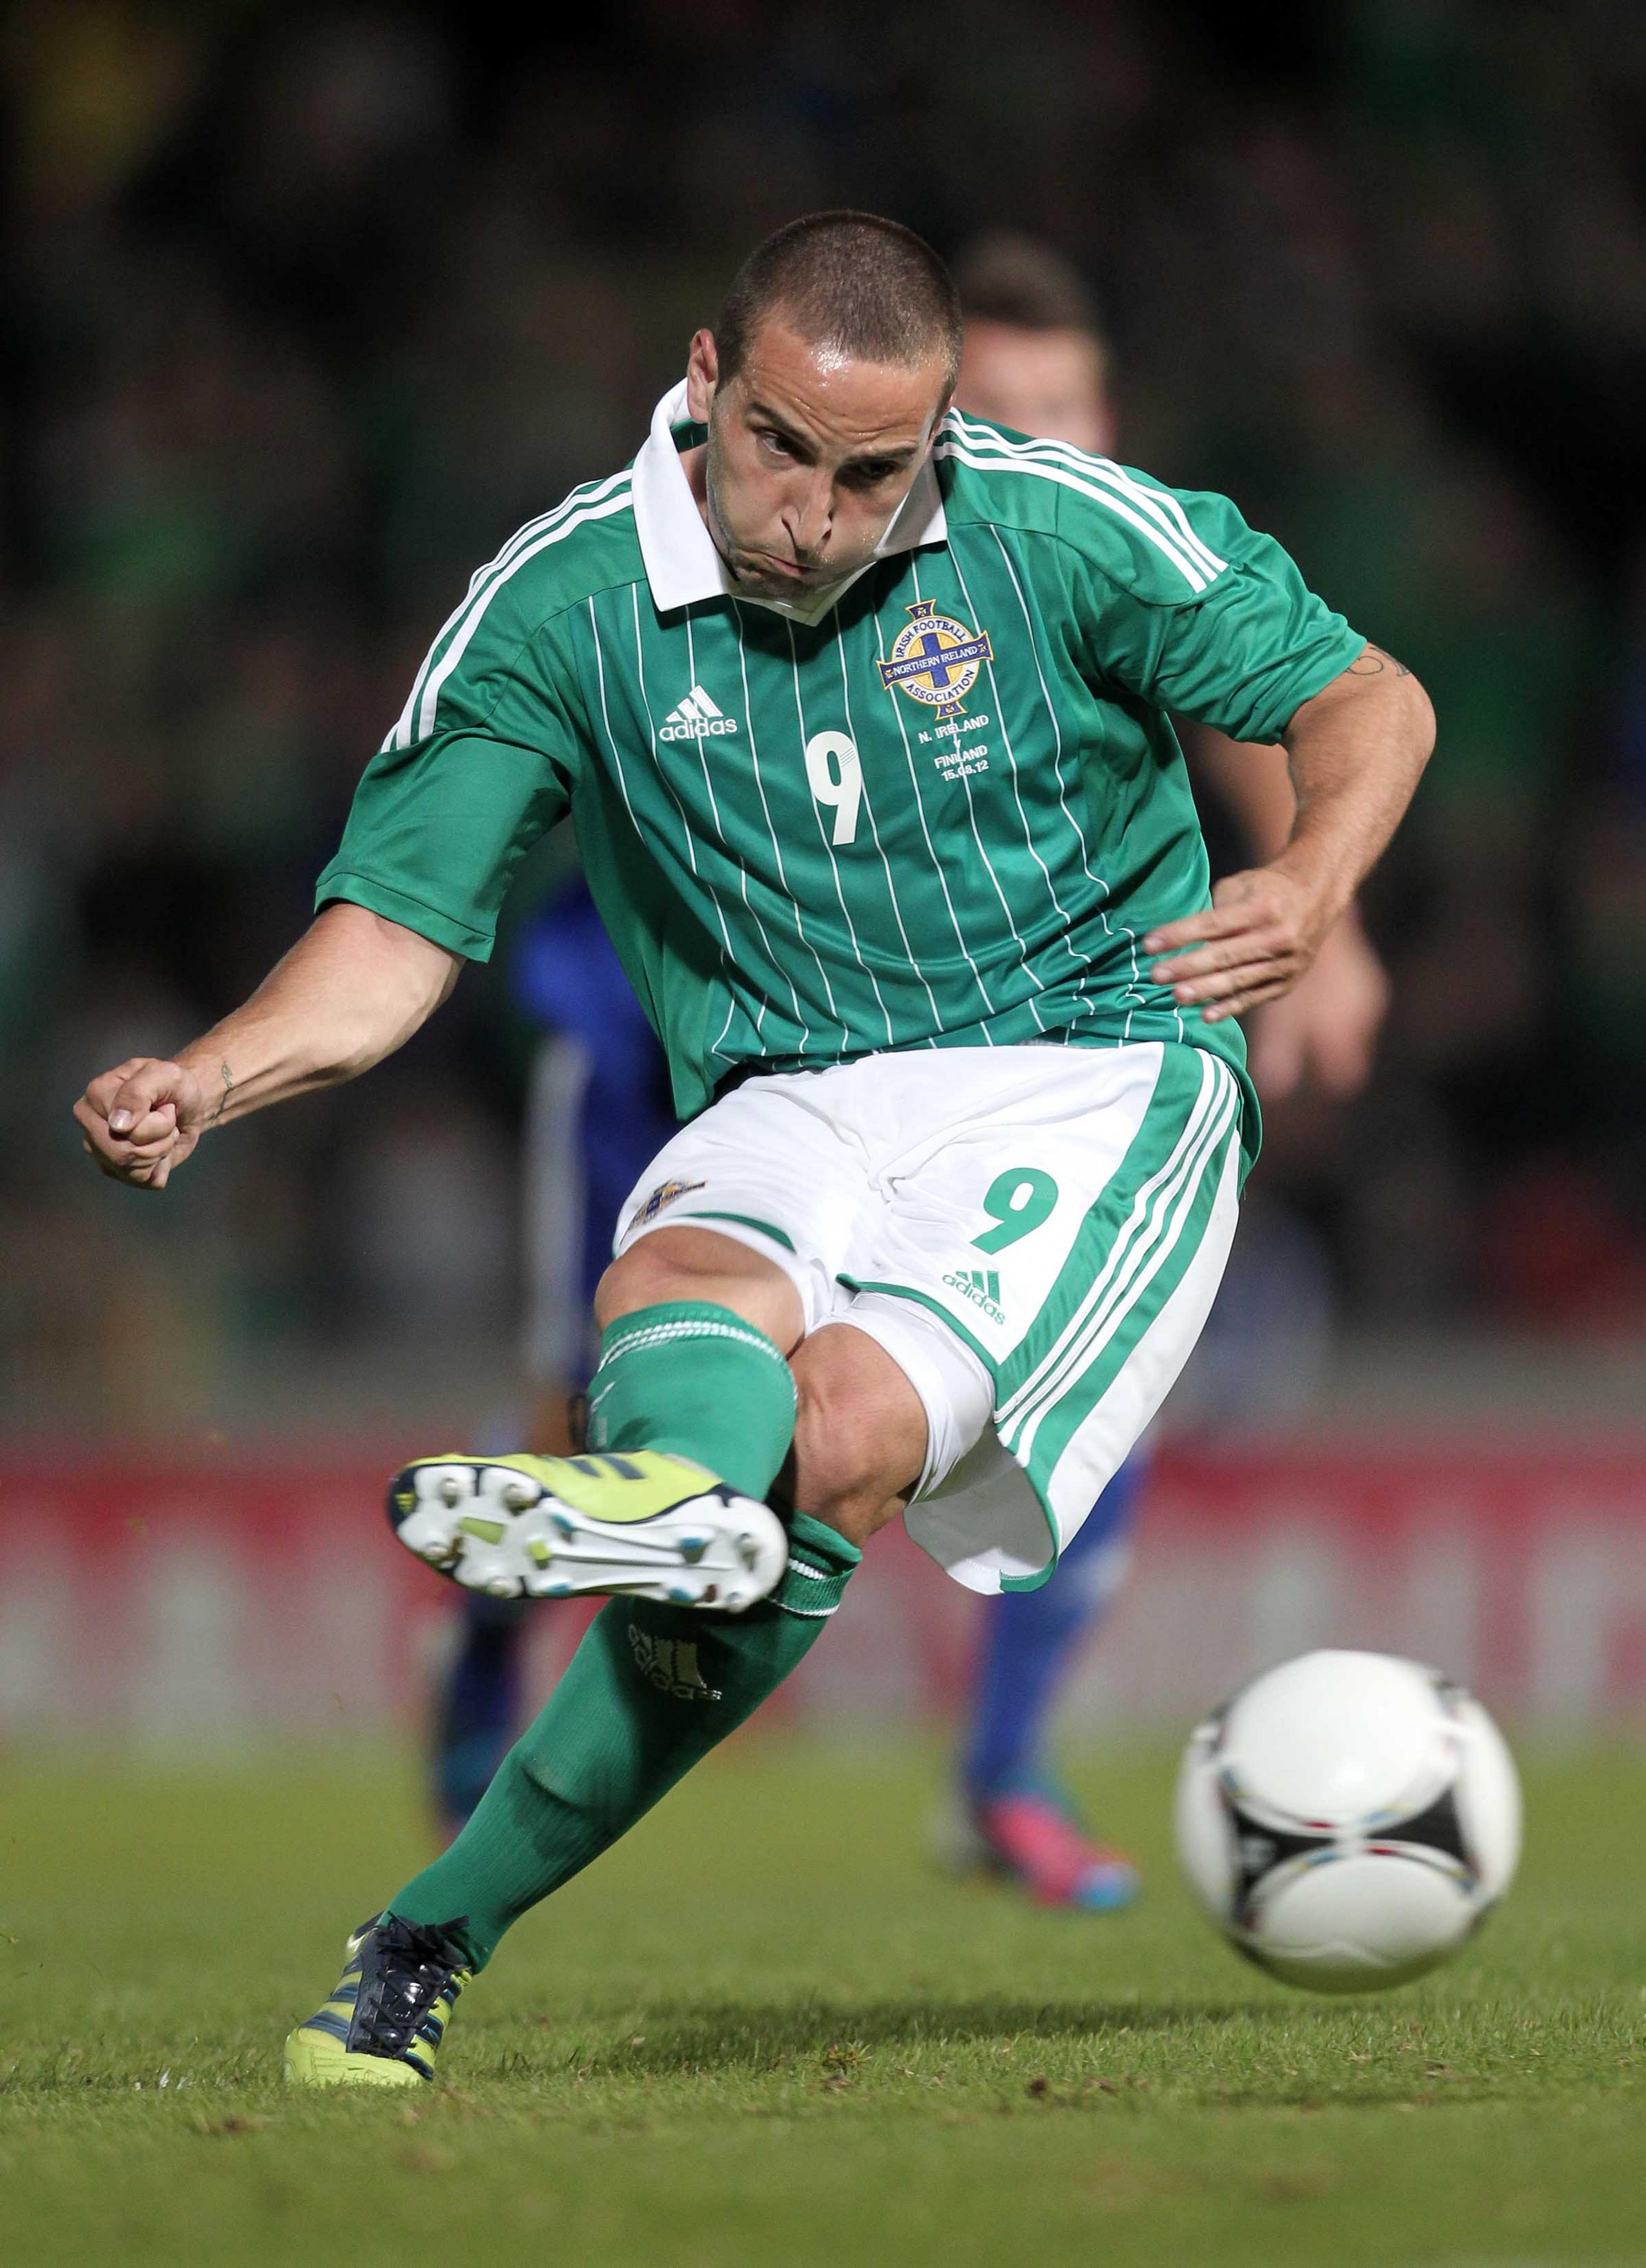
(744, 1220)
(924, 1300)
(1121, 1214)
(1158, 1254)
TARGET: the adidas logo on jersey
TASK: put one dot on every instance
(982, 1287)
(697, 718)
(671, 1665)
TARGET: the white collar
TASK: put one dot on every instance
(681, 562)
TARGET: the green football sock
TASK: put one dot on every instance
(651, 1690)
(695, 1379)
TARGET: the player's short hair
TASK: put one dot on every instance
(867, 287)
(1005, 278)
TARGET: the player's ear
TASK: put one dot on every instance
(947, 374)
(702, 376)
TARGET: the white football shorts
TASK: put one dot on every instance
(1035, 1234)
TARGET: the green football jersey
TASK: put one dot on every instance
(938, 805)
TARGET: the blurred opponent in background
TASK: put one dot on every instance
(309, 310)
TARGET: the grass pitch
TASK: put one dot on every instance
(762, 2031)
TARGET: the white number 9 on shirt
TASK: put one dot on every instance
(839, 790)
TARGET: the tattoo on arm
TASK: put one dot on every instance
(1373, 662)
(227, 1077)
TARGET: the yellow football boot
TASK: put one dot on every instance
(646, 1524)
(387, 2015)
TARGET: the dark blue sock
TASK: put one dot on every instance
(1030, 1640)
(476, 1712)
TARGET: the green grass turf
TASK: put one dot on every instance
(762, 2031)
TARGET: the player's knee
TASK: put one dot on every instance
(859, 1432)
(835, 1444)
(639, 1277)
(673, 1265)
(695, 1264)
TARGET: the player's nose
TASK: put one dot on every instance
(807, 518)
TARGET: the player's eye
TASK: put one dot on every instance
(777, 444)
(872, 472)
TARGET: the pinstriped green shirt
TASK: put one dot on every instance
(939, 805)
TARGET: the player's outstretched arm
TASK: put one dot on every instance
(352, 988)
(1356, 751)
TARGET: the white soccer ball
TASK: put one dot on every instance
(1348, 1819)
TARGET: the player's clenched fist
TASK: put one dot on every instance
(143, 1118)
(352, 987)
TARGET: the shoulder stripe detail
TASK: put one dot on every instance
(1161, 506)
(417, 719)
(459, 645)
(587, 492)
(1170, 546)
(1191, 571)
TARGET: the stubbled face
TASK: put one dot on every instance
(809, 455)
(1049, 384)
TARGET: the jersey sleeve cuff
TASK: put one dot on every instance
(1311, 677)
(410, 913)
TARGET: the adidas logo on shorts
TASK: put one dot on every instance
(671, 1665)
(697, 718)
(982, 1287)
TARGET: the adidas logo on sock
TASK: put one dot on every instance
(697, 718)
(671, 1665)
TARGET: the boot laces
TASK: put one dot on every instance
(405, 1969)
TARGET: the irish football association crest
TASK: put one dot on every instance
(664, 1194)
(935, 659)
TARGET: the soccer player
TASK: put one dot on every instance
(860, 706)
(1034, 360)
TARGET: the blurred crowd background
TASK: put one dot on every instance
(307, 307)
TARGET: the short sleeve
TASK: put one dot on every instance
(480, 763)
(1203, 616)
